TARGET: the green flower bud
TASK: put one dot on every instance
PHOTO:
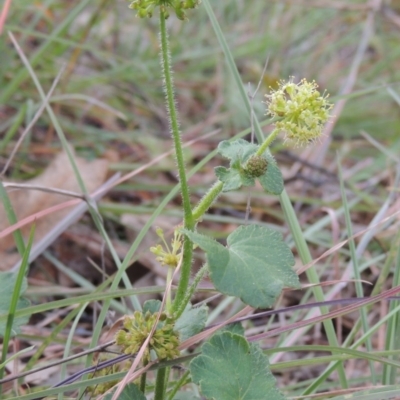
(256, 166)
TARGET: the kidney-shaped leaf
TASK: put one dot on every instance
(192, 321)
(231, 368)
(255, 265)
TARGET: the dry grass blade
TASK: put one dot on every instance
(32, 122)
(206, 334)
(64, 223)
(99, 192)
(336, 393)
(46, 189)
(344, 242)
(3, 15)
(320, 152)
(330, 315)
(338, 5)
(64, 360)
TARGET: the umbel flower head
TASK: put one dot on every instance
(301, 109)
(164, 342)
(145, 8)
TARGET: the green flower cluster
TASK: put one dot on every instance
(164, 342)
(145, 8)
(301, 109)
(167, 256)
(256, 166)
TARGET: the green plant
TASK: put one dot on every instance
(255, 265)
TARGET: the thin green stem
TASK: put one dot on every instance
(312, 275)
(356, 270)
(208, 199)
(185, 274)
(199, 276)
(267, 142)
(12, 219)
(160, 384)
(142, 386)
(168, 300)
(173, 117)
(185, 379)
(393, 327)
(18, 288)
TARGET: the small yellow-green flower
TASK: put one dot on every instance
(301, 109)
(167, 256)
(145, 8)
(164, 342)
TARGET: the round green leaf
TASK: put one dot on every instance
(192, 321)
(272, 180)
(238, 149)
(153, 306)
(186, 396)
(231, 368)
(229, 177)
(255, 265)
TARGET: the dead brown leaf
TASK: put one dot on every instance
(58, 175)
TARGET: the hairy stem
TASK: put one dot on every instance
(267, 142)
(168, 300)
(173, 119)
(160, 384)
(199, 276)
(143, 381)
(185, 274)
(206, 202)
